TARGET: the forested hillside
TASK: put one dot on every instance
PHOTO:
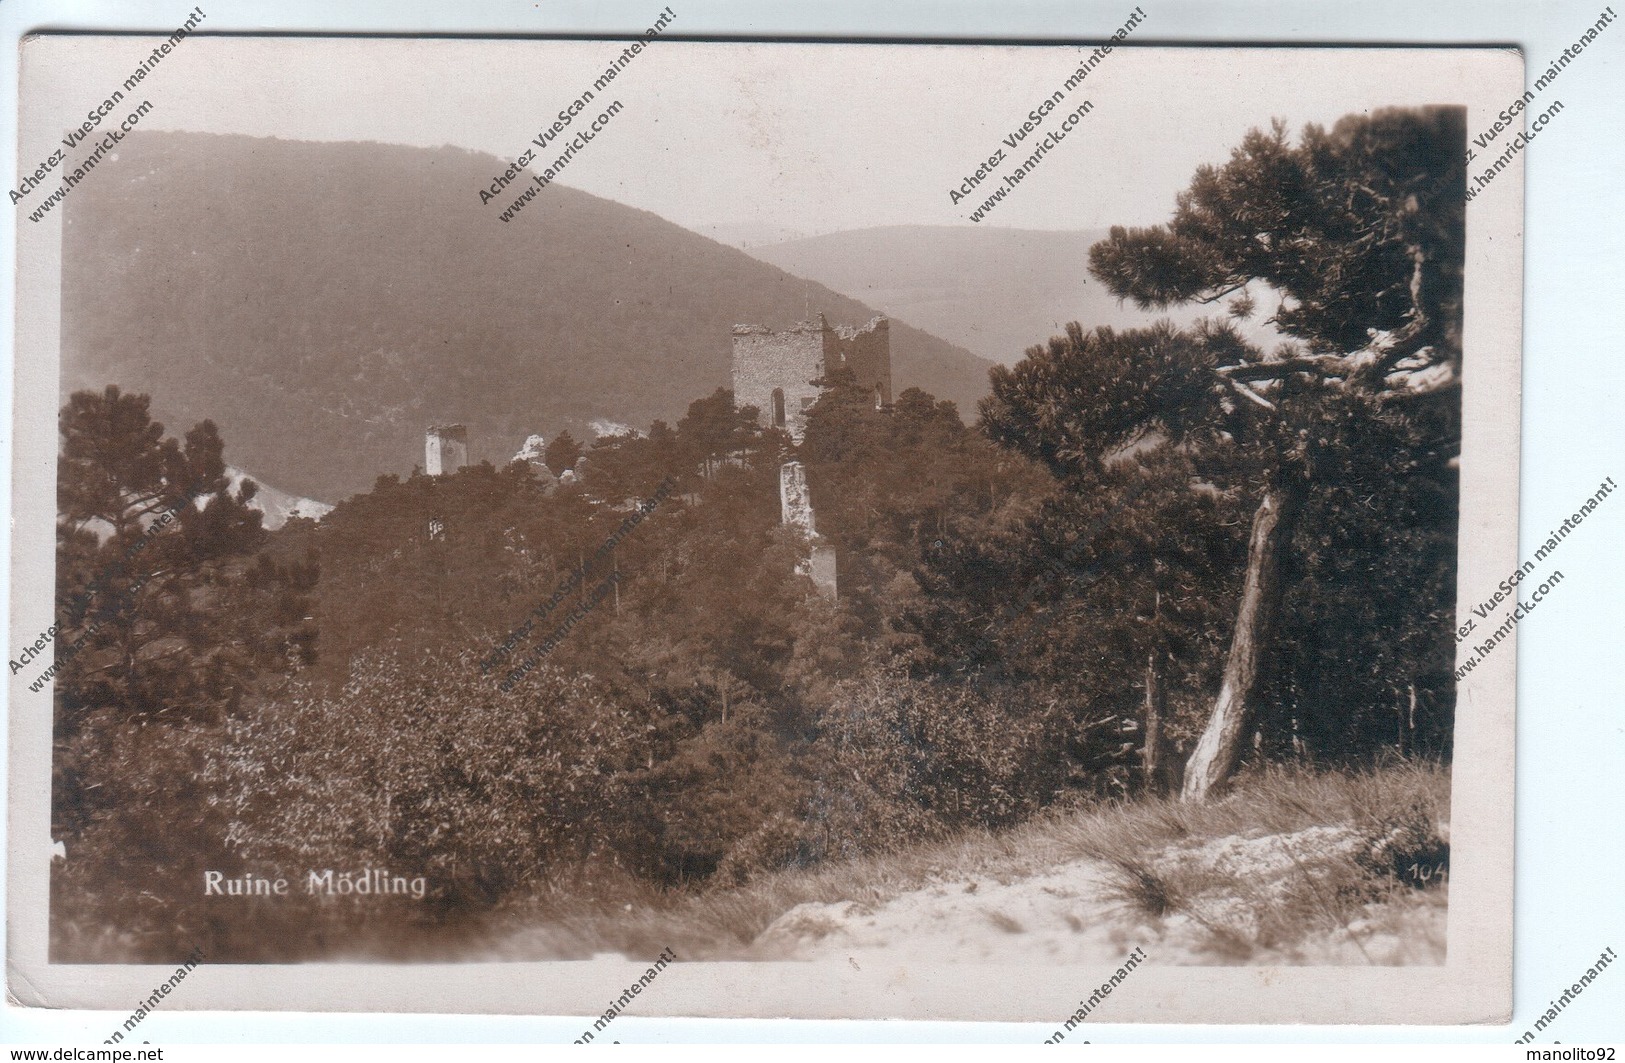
(324, 302)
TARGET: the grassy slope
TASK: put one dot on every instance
(1334, 885)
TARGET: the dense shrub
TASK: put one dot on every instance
(900, 756)
(139, 831)
(720, 803)
(425, 767)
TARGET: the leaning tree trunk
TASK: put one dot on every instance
(1217, 753)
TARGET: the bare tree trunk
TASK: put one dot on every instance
(1407, 744)
(1156, 700)
(1217, 753)
(1155, 703)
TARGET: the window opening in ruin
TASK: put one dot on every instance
(778, 407)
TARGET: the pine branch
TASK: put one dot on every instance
(1323, 365)
(1252, 395)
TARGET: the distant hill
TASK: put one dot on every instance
(748, 234)
(277, 505)
(325, 302)
(995, 292)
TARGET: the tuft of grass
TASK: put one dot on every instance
(1004, 923)
(1143, 888)
(1380, 834)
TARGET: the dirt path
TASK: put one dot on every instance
(1061, 916)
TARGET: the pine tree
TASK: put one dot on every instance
(562, 453)
(169, 613)
(1359, 230)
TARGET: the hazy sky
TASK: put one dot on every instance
(809, 137)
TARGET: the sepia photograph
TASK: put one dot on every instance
(650, 510)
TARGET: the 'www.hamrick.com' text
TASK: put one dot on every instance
(1508, 116)
(1507, 589)
(567, 115)
(93, 122)
(1030, 126)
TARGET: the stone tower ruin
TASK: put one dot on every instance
(445, 449)
(774, 371)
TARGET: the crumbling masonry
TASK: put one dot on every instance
(774, 371)
(795, 507)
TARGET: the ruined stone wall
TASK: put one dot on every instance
(795, 501)
(789, 361)
(820, 568)
(796, 510)
(445, 449)
(865, 351)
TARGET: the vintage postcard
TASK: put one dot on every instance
(727, 528)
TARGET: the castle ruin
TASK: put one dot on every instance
(774, 371)
(445, 449)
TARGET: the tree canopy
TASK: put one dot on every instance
(1357, 231)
